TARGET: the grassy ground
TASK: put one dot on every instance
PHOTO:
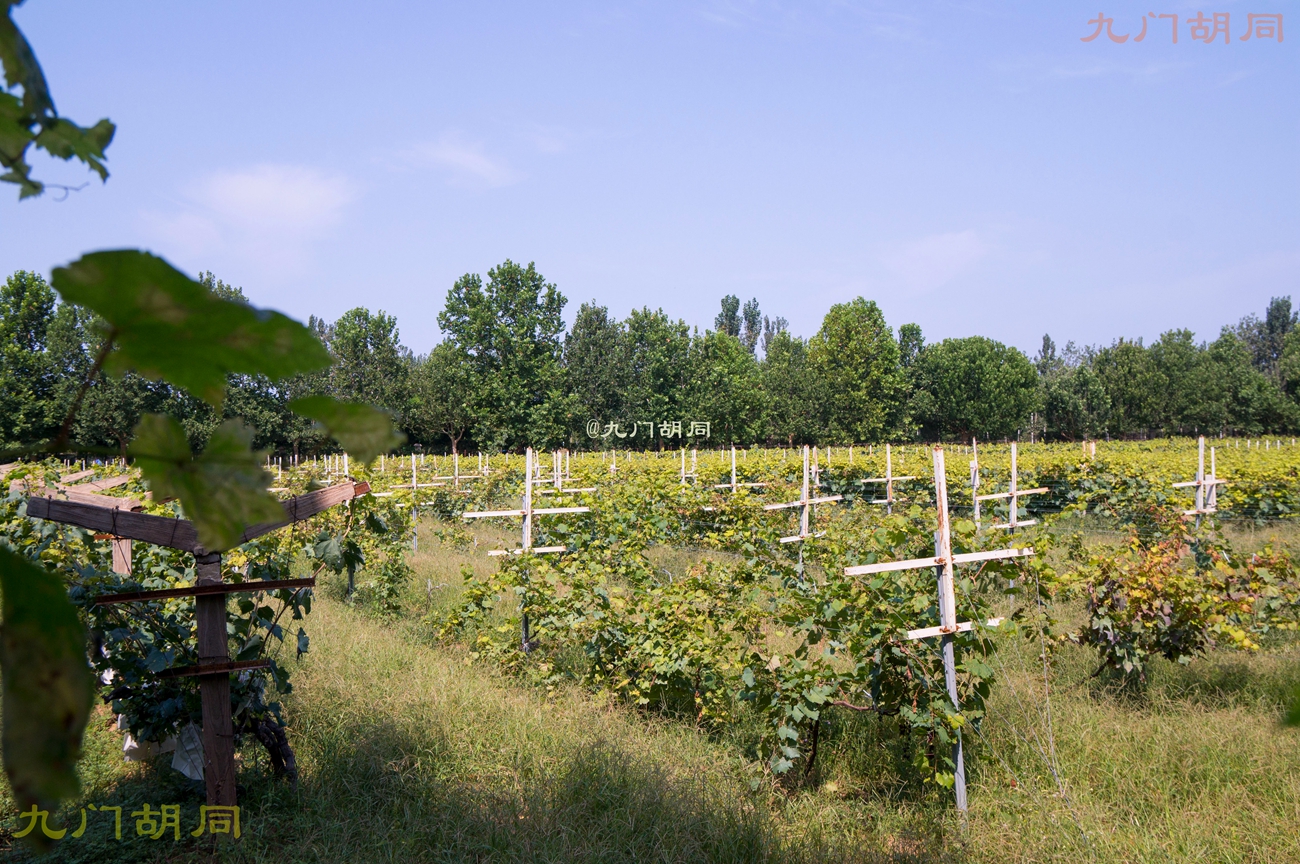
(408, 753)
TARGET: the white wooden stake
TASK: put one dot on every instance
(889, 480)
(528, 511)
(944, 561)
(805, 504)
(1013, 497)
(1204, 505)
(734, 485)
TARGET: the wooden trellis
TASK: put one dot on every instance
(456, 477)
(1207, 488)
(560, 475)
(944, 561)
(1014, 494)
(527, 513)
(805, 504)
(415, 480)
(889, 480)
(694, 473)
(735, 485)
(209, 593)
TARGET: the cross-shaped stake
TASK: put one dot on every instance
(560, 474)
(735, 486)
(528, 511)
(694, 472)
(209, 593)
(805, 505)
(943, 561)
(889, 480)
(456, 477)
(415, 484)
(1207, 488)
(1015, 494)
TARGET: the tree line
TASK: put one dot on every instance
(509, 373)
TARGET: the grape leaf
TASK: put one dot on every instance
(48, 686)
(34, 120)
(223, 491)
(167, 326)
(363, 430)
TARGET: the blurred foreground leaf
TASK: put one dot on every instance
(363, 430)
(48, 685)
(33, 119)
(223, 491)
(168, 327)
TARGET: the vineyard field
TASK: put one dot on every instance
(679, 684)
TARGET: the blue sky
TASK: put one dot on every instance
(973, 167)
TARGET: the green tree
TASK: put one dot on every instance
(728, 320)
(510, 329)
(1236, 396)
(27, 307)
(751, 325)
(1265, 339)
(977, 387)
(597, 371)
(856, 361)
(442, 395)
(725, 388)
(658, 361)
(1075, 403)
(790, 391)
(1132, 383)
(370, 362)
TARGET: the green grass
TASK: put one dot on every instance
(408, 753)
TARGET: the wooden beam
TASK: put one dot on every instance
(962, 627)
(107, 483)
(306, 506)
(180, 533)
(206, 590)
(213, 669)
(73, 493)
(158, 530)
(937, 561)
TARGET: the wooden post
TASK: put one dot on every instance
(1207, 488)
(975, 479)
(948, 616)
(888, 480)
(214, 689)
(121, 555)
(1013, 497)
(805, 504)
(944, 561)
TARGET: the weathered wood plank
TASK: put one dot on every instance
(179, 533)
(158, 530)
(205, 590)
(74, 494)
(106, 483)
(214, 689)
(306, 506)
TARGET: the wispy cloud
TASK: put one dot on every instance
(932, 261)
(269, 214)
(467, 162)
